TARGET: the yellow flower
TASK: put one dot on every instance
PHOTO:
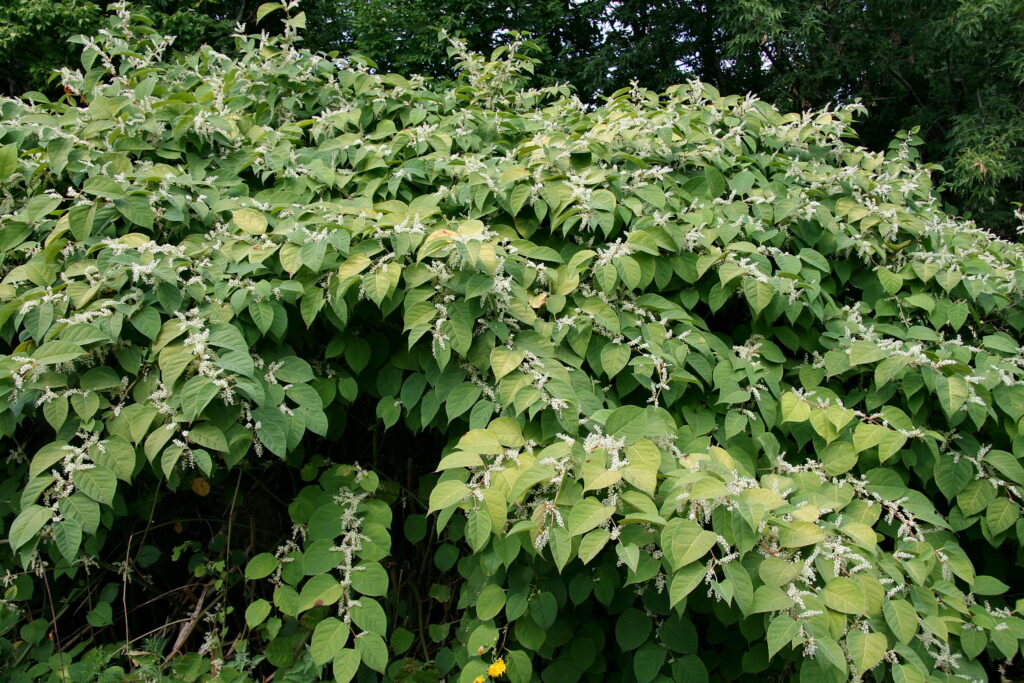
(479, 679)
(497, 668)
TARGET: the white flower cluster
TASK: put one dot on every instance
(349, 544)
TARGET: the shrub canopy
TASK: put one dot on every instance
(709, 390)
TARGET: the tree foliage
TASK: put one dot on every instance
(953, 68)
(675, 387)
(34, 34)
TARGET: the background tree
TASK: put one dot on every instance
(34, 33)
(951, 67)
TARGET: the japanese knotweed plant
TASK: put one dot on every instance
(724, 395)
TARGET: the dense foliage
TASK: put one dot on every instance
(315, 371)
(34, 34)
(953, 68)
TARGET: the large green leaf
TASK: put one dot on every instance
(866, 650)
(98, 482)
(901, 617)
(587, 514)
(844, 595)
(329, 638)
(27, 524)
(684, 541)
(55, 352)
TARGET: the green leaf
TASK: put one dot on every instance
(518, 197)
(588, 514)
(461, 399)
(207, 435)
(829, 653)
(478, 529)
(799, 534)
(251, 220)
(373, 651)
(839, 457)
(1007, 465)
(172, 361)
(715, 181)
(770, 599)
(83, 509)
(988, 585)
(648, 661)
(312, 254)
(99, 483)
(504, 361)
(758, 294)
(56, 412)
(8, 160)
(1001, 515)
(46, 457)
(614, 358)
(684, 581)
(312, 302)
(136, 208)
(27, 524)
(890, 444)
(345, 665)
(794, 408)
(951, 476)
(976, 496)
(644, 464)
(260, 566)
(322, 589)
(1010, 399)
(329, 638)
(196, 395)
(101, 615)
(482, 441)
(629, 555)
(460, 327)
(866, 352)
(775, 571)
(781, 632)
(379, 283)
(866, 650)
(118, 455)
(368, 615)
(825, 427)
(844, 595)
(256, 613)
(632, 629)
(370, 578)
(459, 459)
(901, 617)
(890, 281)
(447, 493)
(266, 8)
(490, 601)
(286, 599)
(592, 543)
(973, 642)
(952, 392)
(683, 541)
(560, 543)
(54, 352)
